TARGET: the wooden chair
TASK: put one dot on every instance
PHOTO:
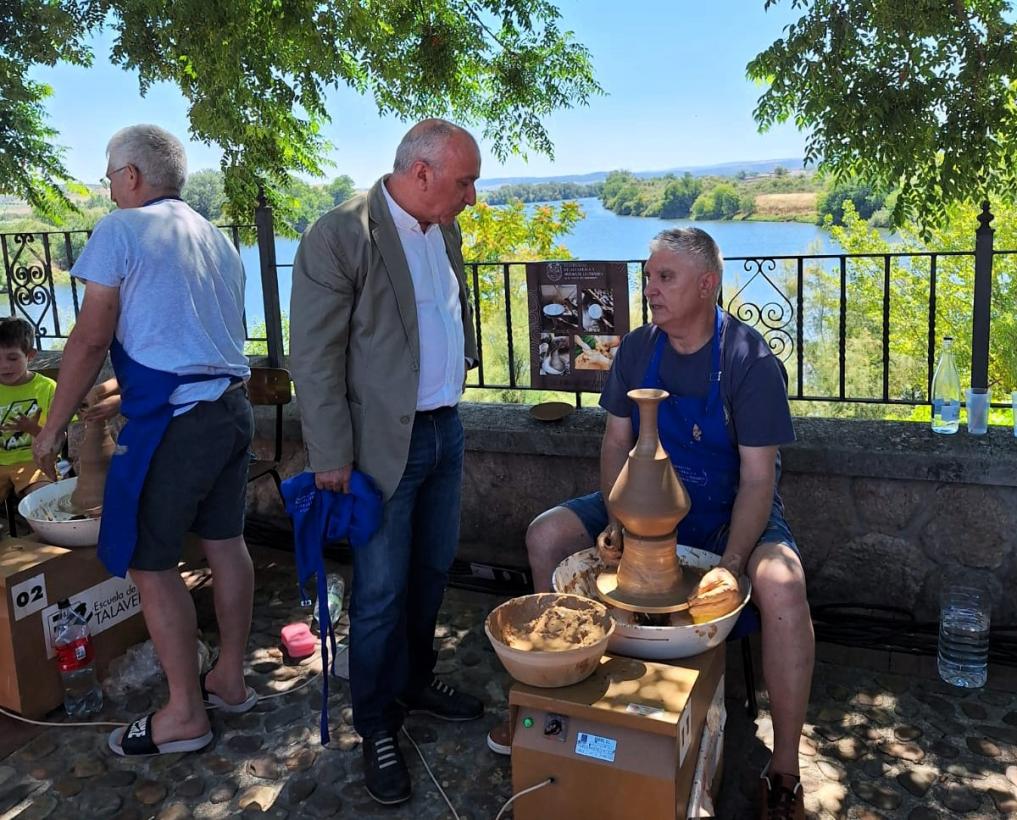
(270, 386)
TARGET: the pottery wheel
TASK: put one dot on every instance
(607, 589)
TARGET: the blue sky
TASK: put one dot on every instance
(673, 72)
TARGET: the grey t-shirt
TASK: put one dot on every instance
(181, 292)
(753, 382)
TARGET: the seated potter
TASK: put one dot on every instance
(722, 424)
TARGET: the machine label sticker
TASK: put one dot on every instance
(601, 748)
(684, 734)
(29, 596)
(104, 606)
(645, 711)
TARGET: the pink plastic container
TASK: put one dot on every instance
(298, 641)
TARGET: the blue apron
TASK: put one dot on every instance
(694, 435)
(144, 402)
(320, 517)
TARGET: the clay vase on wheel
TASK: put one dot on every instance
(648, 500)
(94, 455)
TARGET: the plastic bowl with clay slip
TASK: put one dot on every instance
(551, 410)
(547, 668)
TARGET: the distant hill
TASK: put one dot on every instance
(725, 169)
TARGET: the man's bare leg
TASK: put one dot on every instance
(233, 592)
(173, 625)
(551, 538)
(778, 589)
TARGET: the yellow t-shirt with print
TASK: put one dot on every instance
(34, 396)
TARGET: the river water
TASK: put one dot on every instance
(603, 236)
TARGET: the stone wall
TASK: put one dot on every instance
(883, 512)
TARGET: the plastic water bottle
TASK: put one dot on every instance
(334, 587)
(946, 392)
(964, 637)
(75, 659)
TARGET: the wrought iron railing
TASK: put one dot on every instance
(842, 324)
(861, 328)
(38, 287)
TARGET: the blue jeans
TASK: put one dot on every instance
(399, 577)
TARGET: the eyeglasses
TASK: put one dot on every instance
(106, 180)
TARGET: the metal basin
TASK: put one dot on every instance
(577, 574)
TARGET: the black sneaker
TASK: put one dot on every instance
(385, 773)
(442, 701)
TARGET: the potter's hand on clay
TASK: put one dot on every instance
(338, 481)
(716, 594)
(46, 449)
(101, 410)
(609, 545)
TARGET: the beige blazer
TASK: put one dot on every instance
(354, 343)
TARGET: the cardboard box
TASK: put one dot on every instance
(623, 743)
(34, 577)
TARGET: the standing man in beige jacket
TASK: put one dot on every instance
(380, 338)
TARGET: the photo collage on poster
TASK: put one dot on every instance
(575, 326)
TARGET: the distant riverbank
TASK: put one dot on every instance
(604, 235)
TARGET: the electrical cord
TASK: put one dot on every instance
(430, 774)
(512, 799)
(67, 724)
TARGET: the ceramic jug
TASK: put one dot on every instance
(648, 499)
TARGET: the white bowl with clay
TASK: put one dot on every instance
(46, 512)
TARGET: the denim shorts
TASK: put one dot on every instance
(592, 513)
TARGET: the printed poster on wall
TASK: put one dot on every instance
(579, 312)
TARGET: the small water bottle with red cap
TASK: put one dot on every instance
(76, 661)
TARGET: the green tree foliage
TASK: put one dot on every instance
(720, 202)
(511, 233)
(917, 96)
(621, 194)
(37, 32)
(255, 72)
(204, 192)
(341, 189)
(302, 202)
(863, 197)
(679, 194)
(542, 192)
(671, 197)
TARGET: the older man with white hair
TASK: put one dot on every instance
(380, 339)
(722, 425)
(164, 295)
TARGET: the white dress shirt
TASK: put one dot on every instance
(439, 312)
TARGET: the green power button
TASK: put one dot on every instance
(528, 722)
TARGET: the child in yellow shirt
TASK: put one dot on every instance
(25, 399)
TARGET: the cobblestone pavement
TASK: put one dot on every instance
(876, 745)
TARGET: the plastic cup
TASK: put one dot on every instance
(977, 399)
(1013, 399)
